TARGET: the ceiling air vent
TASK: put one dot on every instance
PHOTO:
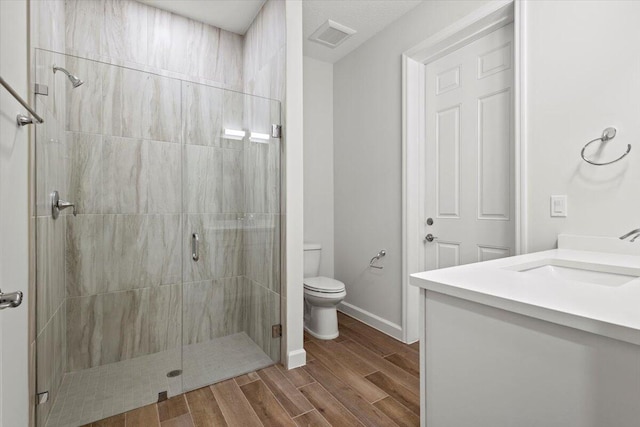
(331, 34)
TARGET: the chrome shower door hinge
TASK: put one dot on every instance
(276, 331)
(276, 131)
(41, 89)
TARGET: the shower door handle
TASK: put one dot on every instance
(195, 247)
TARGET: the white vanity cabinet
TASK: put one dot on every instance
(545, 339)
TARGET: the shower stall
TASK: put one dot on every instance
(157, 220)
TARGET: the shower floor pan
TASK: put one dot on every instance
(100, 392)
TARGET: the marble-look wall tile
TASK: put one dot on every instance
(51, 360)
(278, 75)
(140, 105)
(221, 252)
(213, 309)
(283, 258)
(285, 325)
(262, 161)
(141, 251)
(55, 101)
(171, 40)
(116, 326)
(262, 311)
(150, 106)
(193, 48)
(125, 176)
(84, 255)
(164, 248)
(131, 32)
(125, 252)
(164, 193)
(262, 81)
(263, 41)
(124, 34)
(233, 117)
(262, 176)
(112, 100)
(141, 176)
(262, 250)
(230, 58)
(233, 181)
(84, 164)
(84, 332)
(251, 56)
(50, 268)
(202, 170)
(84, 20)
(50, 161)
(84, 103)
(263, 74)
(48, 24)
(269, 80)
(202, 114)
(165, 318)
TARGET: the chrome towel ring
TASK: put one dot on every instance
(607, 135)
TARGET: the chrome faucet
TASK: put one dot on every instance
(635, 233)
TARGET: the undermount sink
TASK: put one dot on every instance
(599, 274)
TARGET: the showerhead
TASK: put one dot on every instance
(75, 81)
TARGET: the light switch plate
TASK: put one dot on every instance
(559, 206)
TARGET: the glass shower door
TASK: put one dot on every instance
(109, 279)
(159, 170)
(231, 204)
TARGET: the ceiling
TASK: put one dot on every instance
(231, 15)
(367, 17)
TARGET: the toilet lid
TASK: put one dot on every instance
(323, 284)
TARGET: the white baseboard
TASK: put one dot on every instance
(372, 320)
(296, 358)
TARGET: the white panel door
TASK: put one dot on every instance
(469, 164)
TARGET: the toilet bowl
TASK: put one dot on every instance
(321, 296)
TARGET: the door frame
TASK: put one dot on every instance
(481, 22)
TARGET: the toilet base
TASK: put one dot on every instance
(322, 337)
(321, 321)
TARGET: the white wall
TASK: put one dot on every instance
(318, 158)
(368, 161)
(14, 216)
(293, 299)
(583, 74)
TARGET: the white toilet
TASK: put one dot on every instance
(321, 296)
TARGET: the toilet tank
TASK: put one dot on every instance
(312, 259)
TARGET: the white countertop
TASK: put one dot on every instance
(612, 311)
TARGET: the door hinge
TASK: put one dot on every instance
(276, 331)
(276, 131)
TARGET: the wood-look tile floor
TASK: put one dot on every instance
(362, 378)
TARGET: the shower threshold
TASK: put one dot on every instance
(100, 392)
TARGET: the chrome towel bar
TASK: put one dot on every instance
(21, 119)
(607, 135)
